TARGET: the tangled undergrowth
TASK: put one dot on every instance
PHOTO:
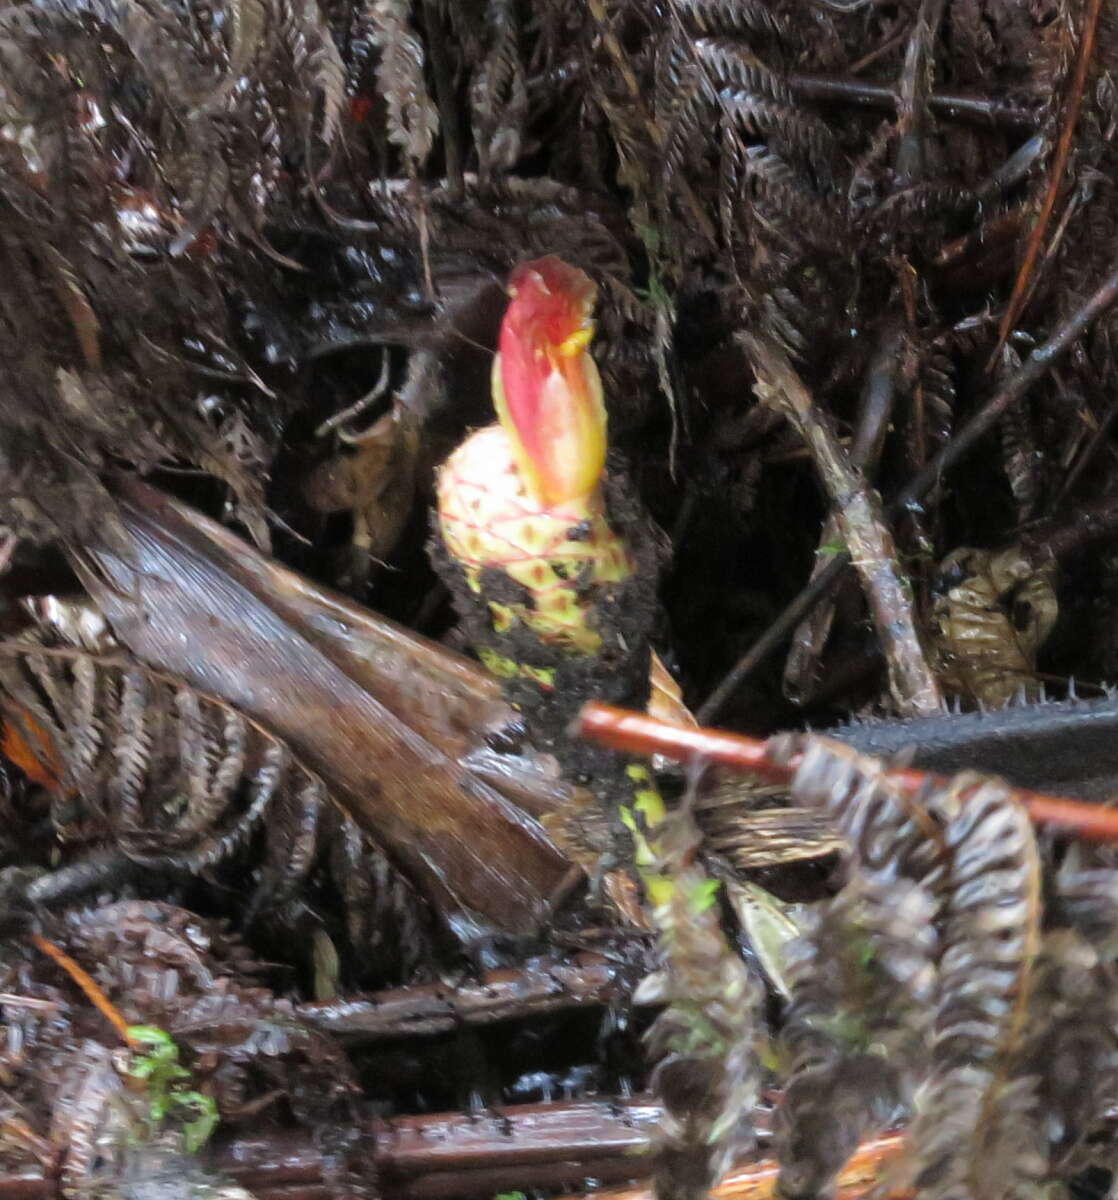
(855, 286)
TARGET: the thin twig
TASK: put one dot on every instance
(858, 513)
(361, 405)
(874, 413)
(1010, 393)
(959, 106)
(1060, 539)
(88, 985)
(1055, 176)
(636, 733)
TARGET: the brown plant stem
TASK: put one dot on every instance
(88, 985)
(445, 1154)
(1074, 102)
(440, 1154)
(1061, 539)
(1008, 394)
(859, 517)
(541, 986)
(636, 733)
(958, 106)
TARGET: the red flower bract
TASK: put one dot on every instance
(545, 384)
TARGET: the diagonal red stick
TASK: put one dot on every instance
(635, 733)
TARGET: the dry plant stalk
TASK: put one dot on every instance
(860, 518)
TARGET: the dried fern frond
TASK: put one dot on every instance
(164, 966)
(413, 120)
(177, 781)
(991, 613)
(976, 1126)
(141, 128)
(706, 1072)
(761, 106)
(863, 977)
(971, 850)
(498, 93)
(886, 832)
(178, 777)
(755, 17)
(1072, 1047)
(855, 1034)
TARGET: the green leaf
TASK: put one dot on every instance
(152, 1035)
(703, 896)
(197, 1132)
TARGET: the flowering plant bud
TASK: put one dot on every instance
(546, 386)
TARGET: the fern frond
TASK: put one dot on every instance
(761, 106)
(499, 94)
(757, 17)
(975, 1131)
(159, 765)
(413, 120)
(863, 985)
(971, 850)
(703, 1043)
(991, 614)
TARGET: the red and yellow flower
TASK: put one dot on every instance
(524, 496)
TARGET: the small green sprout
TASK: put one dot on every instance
(160, 1068)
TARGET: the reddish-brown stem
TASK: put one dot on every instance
(89, 986)
(757, 1180)
(635, 733)
(1059, 163)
